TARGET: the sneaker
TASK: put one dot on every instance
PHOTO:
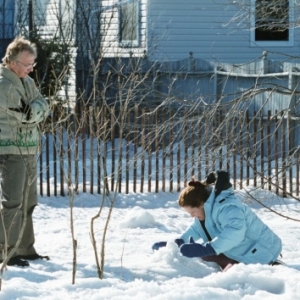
(17, 261)
(34, 257)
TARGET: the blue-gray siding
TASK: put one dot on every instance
(176, 27)
(7, 15)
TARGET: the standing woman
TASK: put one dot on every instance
(22, 108)
(230, 232)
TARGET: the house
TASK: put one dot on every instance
(192, 35)
(167, 30)
(222, 31)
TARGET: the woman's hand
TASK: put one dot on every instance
(196, 250)
(159, 245)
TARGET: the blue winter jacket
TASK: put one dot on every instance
(235, 230)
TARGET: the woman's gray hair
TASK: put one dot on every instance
(18, 45)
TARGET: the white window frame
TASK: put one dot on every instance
(255, 43)
(135, 42)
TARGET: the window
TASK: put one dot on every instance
(129, 23)
(271, 23)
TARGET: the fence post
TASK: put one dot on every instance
(192, 62)
(264, 63)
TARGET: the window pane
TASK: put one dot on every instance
(272, 20)
(129, 22)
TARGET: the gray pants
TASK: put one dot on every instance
(16, 171)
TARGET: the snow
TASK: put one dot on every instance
(131, 269)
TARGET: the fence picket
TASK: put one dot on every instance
(284, 164)
(143, 144)
(248, 151)
(171, 156)
(83, 146)
(262, 154)
(135, 147)
(156, 138)
(47, 164)
(255, 149)
(269, 150)
(127, 168)
(92, 134)
(276, 144)
(76, 150)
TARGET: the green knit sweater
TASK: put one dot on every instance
(19, 132)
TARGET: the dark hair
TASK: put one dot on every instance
(194, 195)
(18, 45)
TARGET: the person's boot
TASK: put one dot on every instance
(17, 261)
(34, 257)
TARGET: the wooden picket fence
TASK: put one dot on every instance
(99, 150)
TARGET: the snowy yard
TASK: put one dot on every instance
(132, 269)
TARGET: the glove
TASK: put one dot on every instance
(158, 245)
(24, 109)
(179, 242)
(222, 182)
(196, 250)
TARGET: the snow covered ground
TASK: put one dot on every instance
(132, 269)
